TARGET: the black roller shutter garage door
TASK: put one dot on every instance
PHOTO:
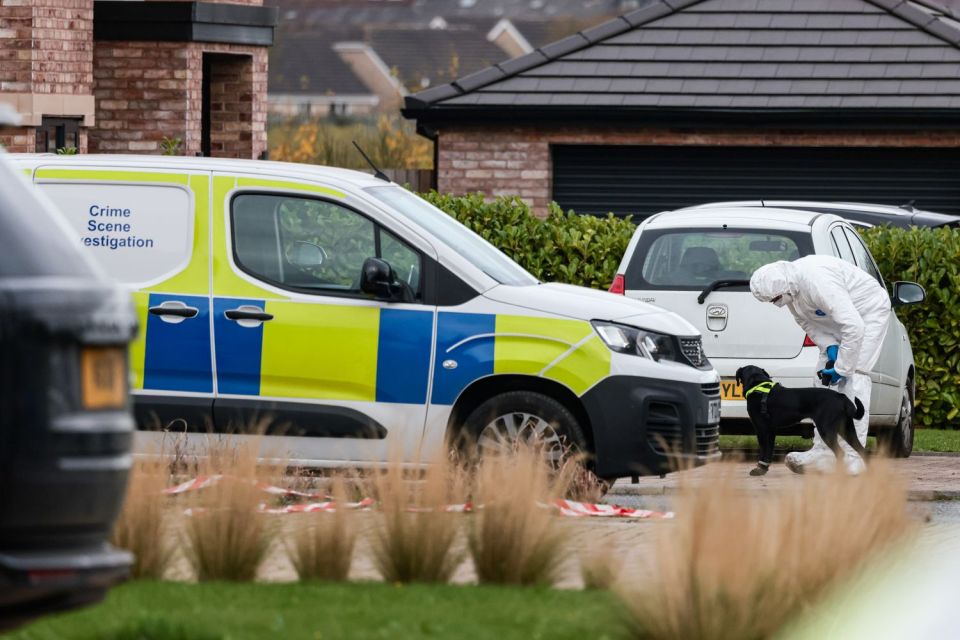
(639, 181)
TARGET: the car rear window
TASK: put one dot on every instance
(679, 259)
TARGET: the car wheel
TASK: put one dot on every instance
(898, 441)
(497, 425)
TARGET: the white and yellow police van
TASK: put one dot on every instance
(363, 321)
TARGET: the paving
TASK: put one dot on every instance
(929, 477)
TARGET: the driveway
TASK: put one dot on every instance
(929, 477)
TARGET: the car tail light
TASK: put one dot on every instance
(618, 286)
(807, 342)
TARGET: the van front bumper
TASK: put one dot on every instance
(646, 426)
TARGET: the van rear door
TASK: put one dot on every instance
(148, 230)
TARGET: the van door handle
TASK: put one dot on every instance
(247, 314)
(173, 310)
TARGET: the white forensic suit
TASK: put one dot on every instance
(836, 303)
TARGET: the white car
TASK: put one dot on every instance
(697, 262)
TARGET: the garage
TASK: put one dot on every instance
(641, 180)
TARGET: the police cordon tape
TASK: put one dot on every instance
(567, 508)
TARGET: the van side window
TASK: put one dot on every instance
(140, 234)
(862, 255)
(314, 245)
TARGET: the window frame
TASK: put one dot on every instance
(634, 271)
(848, 230)
(334, 293)
(838, 227)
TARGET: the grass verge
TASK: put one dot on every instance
(924, 441)
(248, 611)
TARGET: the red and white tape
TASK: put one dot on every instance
(567, 508)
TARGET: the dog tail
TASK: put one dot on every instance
(857, 407)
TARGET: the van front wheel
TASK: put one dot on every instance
(508, 419)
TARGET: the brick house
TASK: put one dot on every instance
(688, 101)
(119, 77)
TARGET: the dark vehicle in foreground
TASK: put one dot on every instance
(65, 420)
(857, 213)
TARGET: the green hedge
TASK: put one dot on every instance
(585, 250)
(563, 247)
(930, 257)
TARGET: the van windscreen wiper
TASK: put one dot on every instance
(720, 284)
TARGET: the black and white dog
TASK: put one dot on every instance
(772, 406)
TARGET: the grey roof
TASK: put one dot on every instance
(732, 54)
(304, 63)
(433, 55)
(410, 12)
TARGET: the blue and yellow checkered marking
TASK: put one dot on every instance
(468, 340)
(238, 349)
(363, 353)
(177, 356)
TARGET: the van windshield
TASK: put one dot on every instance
(680, 259)
(472, 247)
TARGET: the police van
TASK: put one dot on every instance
(362, 321)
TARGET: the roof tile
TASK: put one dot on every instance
(739, 54)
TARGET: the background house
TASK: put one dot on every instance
(685, 101)
(115, 76)
(393, 48)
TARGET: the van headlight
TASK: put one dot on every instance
(637, 342)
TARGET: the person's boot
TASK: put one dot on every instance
(854, 464)
(818, 458)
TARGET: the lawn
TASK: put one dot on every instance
(317, 611)
(924, 440)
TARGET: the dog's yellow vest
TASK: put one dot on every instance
(763, 387)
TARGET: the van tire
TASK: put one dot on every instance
(533, 414)
(897, 441)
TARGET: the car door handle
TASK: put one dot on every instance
(175, 309)
(247, 314)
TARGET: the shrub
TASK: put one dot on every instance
(227, 539)
(321, 548)
(142, 527)
(515, 538)
(563, 247)
(739, 566)
(414, 537)
(930, 257)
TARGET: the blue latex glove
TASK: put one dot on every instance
(833, 351)
(835, 377)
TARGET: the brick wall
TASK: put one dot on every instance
(62, 46)
(18, 139)
(16, 47)
(517, 161)
(146, 91)
(46, 64)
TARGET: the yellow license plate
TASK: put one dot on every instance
(103, 375)
(730, 390)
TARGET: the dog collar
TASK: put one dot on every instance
(763, 387)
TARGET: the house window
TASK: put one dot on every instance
(54, 134)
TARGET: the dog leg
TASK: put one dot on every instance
(766, 437)
(850, 435)
(829, 436)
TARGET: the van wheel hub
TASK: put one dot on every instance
(503, 433)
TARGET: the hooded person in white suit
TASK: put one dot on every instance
(845, 312)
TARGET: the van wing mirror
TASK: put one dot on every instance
(376, 279)
(306, 254)
(905, 293)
